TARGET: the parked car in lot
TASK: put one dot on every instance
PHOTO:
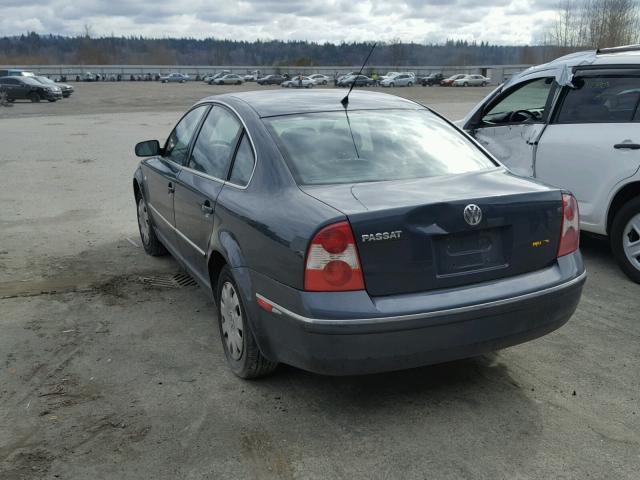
(228, 79)
(252, 77)
(210, 79)
(320, 79)
(66, 90)
(173, 78)
(472, 81)
(574, 123)
(340, 243)
(271, 80)
(28, 88)
(89, 77)
(295, 82)
(388, 75)
(401, 80)
(15, 72)
(431, 80)
(448, 82)
(358, 80)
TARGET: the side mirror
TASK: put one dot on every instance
(148, 148)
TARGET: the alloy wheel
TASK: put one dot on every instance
(232, 322)
(631, 241)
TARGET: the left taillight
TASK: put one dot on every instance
(332, 263)
(570, 230)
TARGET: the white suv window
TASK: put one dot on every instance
(601, 99)
(527, 104)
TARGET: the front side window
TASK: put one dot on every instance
(177, 146)
(527, 104)
(601, 100)
(371, 146)
(216, 143)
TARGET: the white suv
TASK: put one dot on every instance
(575, 123)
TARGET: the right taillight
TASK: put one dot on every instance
(570, 230)
(332, 261)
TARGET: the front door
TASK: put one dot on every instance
(200, 184)
(160, 174)
(511, 125)
(593, 141)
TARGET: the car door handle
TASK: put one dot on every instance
(206, 208)
(628, 146)
(171, 188)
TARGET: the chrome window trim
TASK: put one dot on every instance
(182, 235)
(417, 316)
(255, 152)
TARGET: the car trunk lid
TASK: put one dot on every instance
(412, 235)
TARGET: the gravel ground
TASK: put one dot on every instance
(106, 374)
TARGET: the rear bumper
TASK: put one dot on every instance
(416, 330)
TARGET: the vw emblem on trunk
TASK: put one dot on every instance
(472, 214)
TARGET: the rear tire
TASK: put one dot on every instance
(240, 348)
(150, 241)
(625, 239)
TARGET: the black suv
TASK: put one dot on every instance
(28, 88)
(431, 80)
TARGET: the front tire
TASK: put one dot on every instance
(150, 241)
(34, 97)
(625, 239)
(240, 348)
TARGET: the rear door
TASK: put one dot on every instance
(160, 173)
(200, 183)
(593, 141)
(510, 126)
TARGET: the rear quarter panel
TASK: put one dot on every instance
(268, 225)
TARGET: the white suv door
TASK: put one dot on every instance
(511, 124)
(592, 143)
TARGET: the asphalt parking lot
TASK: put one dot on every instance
(112, 368)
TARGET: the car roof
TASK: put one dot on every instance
(623, 56)
(271, 103)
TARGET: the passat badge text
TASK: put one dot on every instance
(375, 237)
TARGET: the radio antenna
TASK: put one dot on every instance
(345, 100)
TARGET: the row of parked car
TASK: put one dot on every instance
(391, 79)
(20, 85)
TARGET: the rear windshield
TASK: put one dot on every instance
(371, 146)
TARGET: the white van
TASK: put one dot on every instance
(575, 123)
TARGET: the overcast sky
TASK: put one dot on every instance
(496, 21)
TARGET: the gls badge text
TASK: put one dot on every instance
(375, 237)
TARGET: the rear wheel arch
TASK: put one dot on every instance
(215, 266)
(624, 195)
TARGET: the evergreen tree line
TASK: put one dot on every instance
(35, 49)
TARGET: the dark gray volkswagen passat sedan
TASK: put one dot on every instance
(351, 241)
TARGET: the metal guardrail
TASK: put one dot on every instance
(498, 73)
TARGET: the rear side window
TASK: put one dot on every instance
(216, 143)
(177, 146)
(243, 163)
(601, 100)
